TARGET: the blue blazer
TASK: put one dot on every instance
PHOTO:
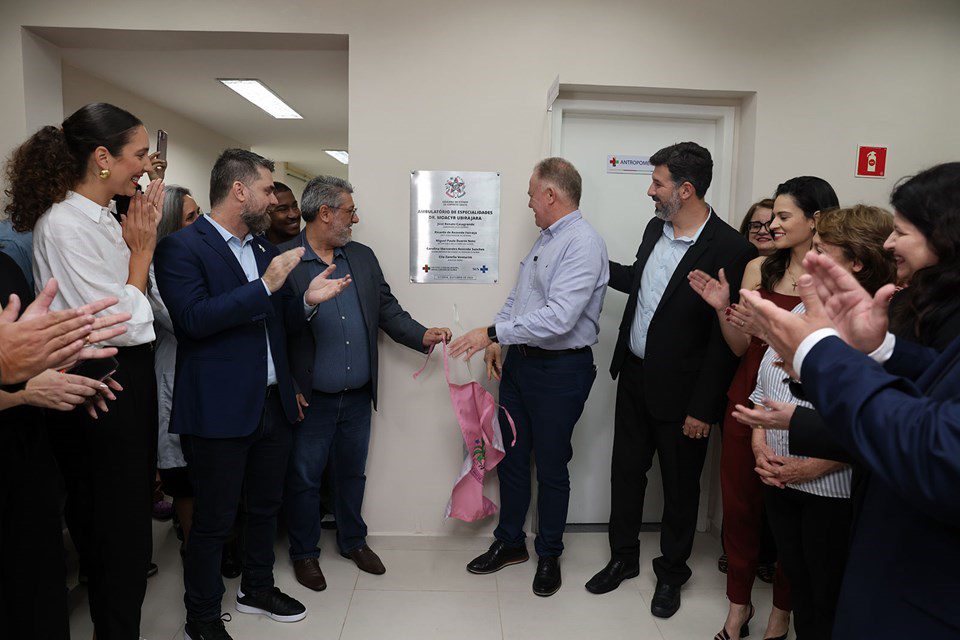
(218, 318)
(902, 422)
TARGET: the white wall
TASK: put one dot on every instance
(462, 85)
(191, 148)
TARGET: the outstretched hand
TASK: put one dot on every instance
(322, 288)
(715, 293)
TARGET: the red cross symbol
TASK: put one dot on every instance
(613, 161)
(426, 268)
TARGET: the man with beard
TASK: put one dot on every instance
(334, 363)
(284, 216)
(234, 402)
(674, 369)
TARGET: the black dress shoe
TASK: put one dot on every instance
(610, 577)
(666, 600)
(497, 557)
(547, 581)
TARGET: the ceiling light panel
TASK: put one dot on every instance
(341, 156)
(260, 95)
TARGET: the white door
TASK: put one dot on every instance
(618, 208)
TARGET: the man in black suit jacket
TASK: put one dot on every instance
(334, 361)
(674, 370)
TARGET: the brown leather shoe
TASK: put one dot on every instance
(366, 560)
(309, 574)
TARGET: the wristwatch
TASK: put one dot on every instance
(492, 333)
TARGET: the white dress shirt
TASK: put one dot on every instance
(80, 243)
(883, 353)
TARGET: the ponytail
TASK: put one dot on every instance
(52, 161)
(39, 173)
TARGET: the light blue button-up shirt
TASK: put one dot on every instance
(663, 261)
(243, 250)
(558, 297)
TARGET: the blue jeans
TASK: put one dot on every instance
(545, 397)
(335, 427)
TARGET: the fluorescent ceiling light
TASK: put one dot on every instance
(258, 93)
(341, 156)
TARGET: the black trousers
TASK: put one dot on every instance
(33, 593)
(813, 539)
(109, 466)
(224, 471)
(637, 436)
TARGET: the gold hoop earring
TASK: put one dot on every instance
(104, 174)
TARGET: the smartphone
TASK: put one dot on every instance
(97, 369)
(162, 144)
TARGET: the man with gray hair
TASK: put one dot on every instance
(334, 361)
(551, 320)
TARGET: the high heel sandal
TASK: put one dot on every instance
(783, 637)
(744, 630)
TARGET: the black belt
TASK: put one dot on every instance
(271, 390)
(536, 352)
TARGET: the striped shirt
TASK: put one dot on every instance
(771, 384)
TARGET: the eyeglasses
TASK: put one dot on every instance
(755, 227)
(352, 210)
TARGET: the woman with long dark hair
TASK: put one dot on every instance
(926, 246)
(808, 499)
(62, 183)
(796, 204)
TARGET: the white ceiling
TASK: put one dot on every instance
(179, 71)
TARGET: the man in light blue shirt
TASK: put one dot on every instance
(551, 319)
(662, 262)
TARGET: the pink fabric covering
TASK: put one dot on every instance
(477, 415)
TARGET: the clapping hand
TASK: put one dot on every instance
(281, 266)
(139, 224)
(715, 293)
(740, 317)
(781, 329)
(322, 288)
(41, 339)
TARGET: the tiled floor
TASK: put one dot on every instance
(427, 594)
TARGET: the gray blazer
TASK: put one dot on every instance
(380, 311)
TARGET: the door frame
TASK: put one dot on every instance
(724, 158)
(725, 117)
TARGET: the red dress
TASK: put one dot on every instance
(739, 483)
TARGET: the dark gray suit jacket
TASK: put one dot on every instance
(380, 311)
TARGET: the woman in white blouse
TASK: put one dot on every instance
(807, 499)
(62, 182)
